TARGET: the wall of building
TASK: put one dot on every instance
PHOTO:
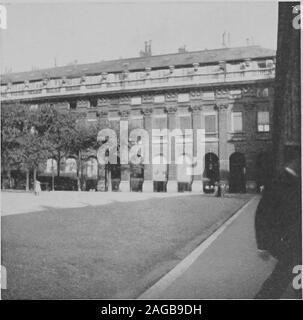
(186, 109)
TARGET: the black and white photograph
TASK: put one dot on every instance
(151, 150)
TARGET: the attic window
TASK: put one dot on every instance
(136, 100)
(33, 107)
(262, 64)
(73, 105)
(183, 97)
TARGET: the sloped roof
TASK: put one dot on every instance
(140, 63)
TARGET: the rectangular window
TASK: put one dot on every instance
(263, 121)
(135, 124)
(183, 97)
(210, 123)
(159, 98)
(209, 95)
(262, 64)
(185, 122)
(34, 107)
(136, 100)
(160, 122)
(237, 122)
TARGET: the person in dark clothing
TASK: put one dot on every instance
(278, 229)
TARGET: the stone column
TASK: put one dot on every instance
(125, 174)
(198, 123)
(223, 137)
(148, 168)
(172, 184)
(103, 118)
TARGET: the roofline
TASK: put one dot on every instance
(135, 91)
(44, 70)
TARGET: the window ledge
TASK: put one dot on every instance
(236, 136)
(261, 135)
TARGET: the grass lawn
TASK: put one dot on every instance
(116, 250)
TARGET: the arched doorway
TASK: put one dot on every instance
(211, 172)
(113, 175)
(91, 174)
(237, 164)
(184, 173)
(109, 174)
(136, 173)
(159, 165)
(264, 169)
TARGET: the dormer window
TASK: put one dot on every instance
(262, 64)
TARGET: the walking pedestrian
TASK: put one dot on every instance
(37, 188)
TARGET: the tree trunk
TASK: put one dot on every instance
(27, 181)
(9, 178)
(35, 176)
(58, 163)
(79, 170)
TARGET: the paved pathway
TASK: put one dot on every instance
(229, 268)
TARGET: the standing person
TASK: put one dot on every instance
(278, 229)
(37, 187)
(218, 191)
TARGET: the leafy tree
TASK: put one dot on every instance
(23, 146)
(81, 138)
(60, 127)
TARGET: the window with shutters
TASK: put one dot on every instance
(236, 122)
(184, 142)
(263, 121)
(210, 123)
(159, 136)
(135, 123)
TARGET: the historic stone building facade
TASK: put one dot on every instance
(227, 92)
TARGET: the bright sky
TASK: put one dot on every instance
(90, 32)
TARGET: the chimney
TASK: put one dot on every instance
(182, 49)
(147, 49)
(223, 39)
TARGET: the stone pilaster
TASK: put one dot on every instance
(198, 123)
(172, 184)
(223, 135)
(103, 118)
(125, 174)
(148, 169)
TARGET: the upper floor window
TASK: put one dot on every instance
(210, 123)
(210, 95)
(263, 121)
(73, 105)
(263, 92)
(183, 97)
(262, 64)
(136, 100)
(35, 85)
(236, 122)
(33, 107)
(159, 98)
